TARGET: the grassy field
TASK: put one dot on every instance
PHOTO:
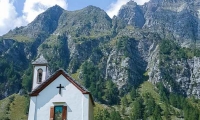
(14, 107)
(19, 38)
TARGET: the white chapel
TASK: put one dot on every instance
(57, 96)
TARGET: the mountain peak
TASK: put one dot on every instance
(172, 1)
(46, 22)
(55, 8)
(131, 2)
(92, 8)
(132, 14)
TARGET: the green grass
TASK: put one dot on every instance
(131, 28)
(195, 102)
(76, 76)
(52, 41)
(4, 107)
(14, 107)
(148, 87)
(19, 38)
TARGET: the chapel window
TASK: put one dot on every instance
(40, 71)
(58, 113)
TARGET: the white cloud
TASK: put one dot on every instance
(141, 2)
(9, 18)
(115, 7)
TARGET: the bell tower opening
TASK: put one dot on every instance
(39, 76)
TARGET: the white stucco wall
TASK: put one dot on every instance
(85, 106)
(76, 102)
(44, 68)
(32, 108)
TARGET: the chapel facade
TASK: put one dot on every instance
(57, 96)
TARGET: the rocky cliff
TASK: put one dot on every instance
(157, 41)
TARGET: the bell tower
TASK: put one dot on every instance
(40, 71)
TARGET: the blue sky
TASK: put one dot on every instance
(72, 4)
(103, 4)
(18, 13)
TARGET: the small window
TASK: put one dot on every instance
(40, 71)
(58, 110)
(58, 113)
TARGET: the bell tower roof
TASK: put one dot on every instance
(40, 61)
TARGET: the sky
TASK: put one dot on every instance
(16, 13)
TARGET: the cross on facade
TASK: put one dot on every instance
(60, 87)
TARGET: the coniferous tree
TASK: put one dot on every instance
(157, 113)
(133, 93)
(111, 93)
(137, 110)
(166, 111)
(114, 115)
(124, 101)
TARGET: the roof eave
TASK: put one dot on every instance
(51, 79)
(41, 64)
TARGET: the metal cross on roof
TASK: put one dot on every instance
(60, 87)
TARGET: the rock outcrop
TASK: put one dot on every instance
(123, 48)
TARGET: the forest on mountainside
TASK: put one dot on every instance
(143, 63)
